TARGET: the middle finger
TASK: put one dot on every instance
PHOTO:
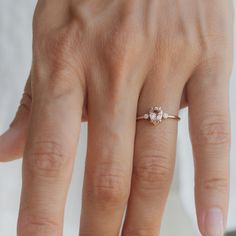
(111, 131)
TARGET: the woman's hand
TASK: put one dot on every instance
(107, 61)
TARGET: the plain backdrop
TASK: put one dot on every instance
(15, 61)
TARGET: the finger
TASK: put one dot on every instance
(12, 142)
(154, 159)
(111, 130)
(49, 156)
(208, 94)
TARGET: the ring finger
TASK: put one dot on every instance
(154, 159)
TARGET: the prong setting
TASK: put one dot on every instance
(165, 115)
(155, 115)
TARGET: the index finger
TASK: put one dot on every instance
(48, 159)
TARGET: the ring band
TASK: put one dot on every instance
(156, 115)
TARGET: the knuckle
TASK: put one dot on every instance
(181, 46)
(217, 66)
(140, 232)
(217, 56)
(56, 58)
(24, 109)
(214, 130)
(26, 102)
(167, 43)
(47, 157)
(59, 43)
(215, 41)
(119, 49)
(34, 225)
(106, 187)
(153, 171)
(218, 184)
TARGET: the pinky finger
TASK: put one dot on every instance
(210, 133)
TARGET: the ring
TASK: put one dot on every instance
(156, 115)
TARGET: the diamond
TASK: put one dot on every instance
(152, 116)
(165, 115)
(159, 117)
(146, 116)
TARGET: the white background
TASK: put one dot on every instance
(15, 59)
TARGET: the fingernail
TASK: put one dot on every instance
(214, 222)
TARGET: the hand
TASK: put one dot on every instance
(105, 62)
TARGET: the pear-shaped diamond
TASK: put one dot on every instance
(159, 115)
(152, 116)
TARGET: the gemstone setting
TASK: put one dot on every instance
(146, 116)
(156, 115)
(152, 116)
(165, 115)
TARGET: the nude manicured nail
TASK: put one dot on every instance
(214, 223)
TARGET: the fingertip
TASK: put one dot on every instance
(11, 144)
(214, 222)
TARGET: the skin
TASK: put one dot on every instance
(105, 62)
